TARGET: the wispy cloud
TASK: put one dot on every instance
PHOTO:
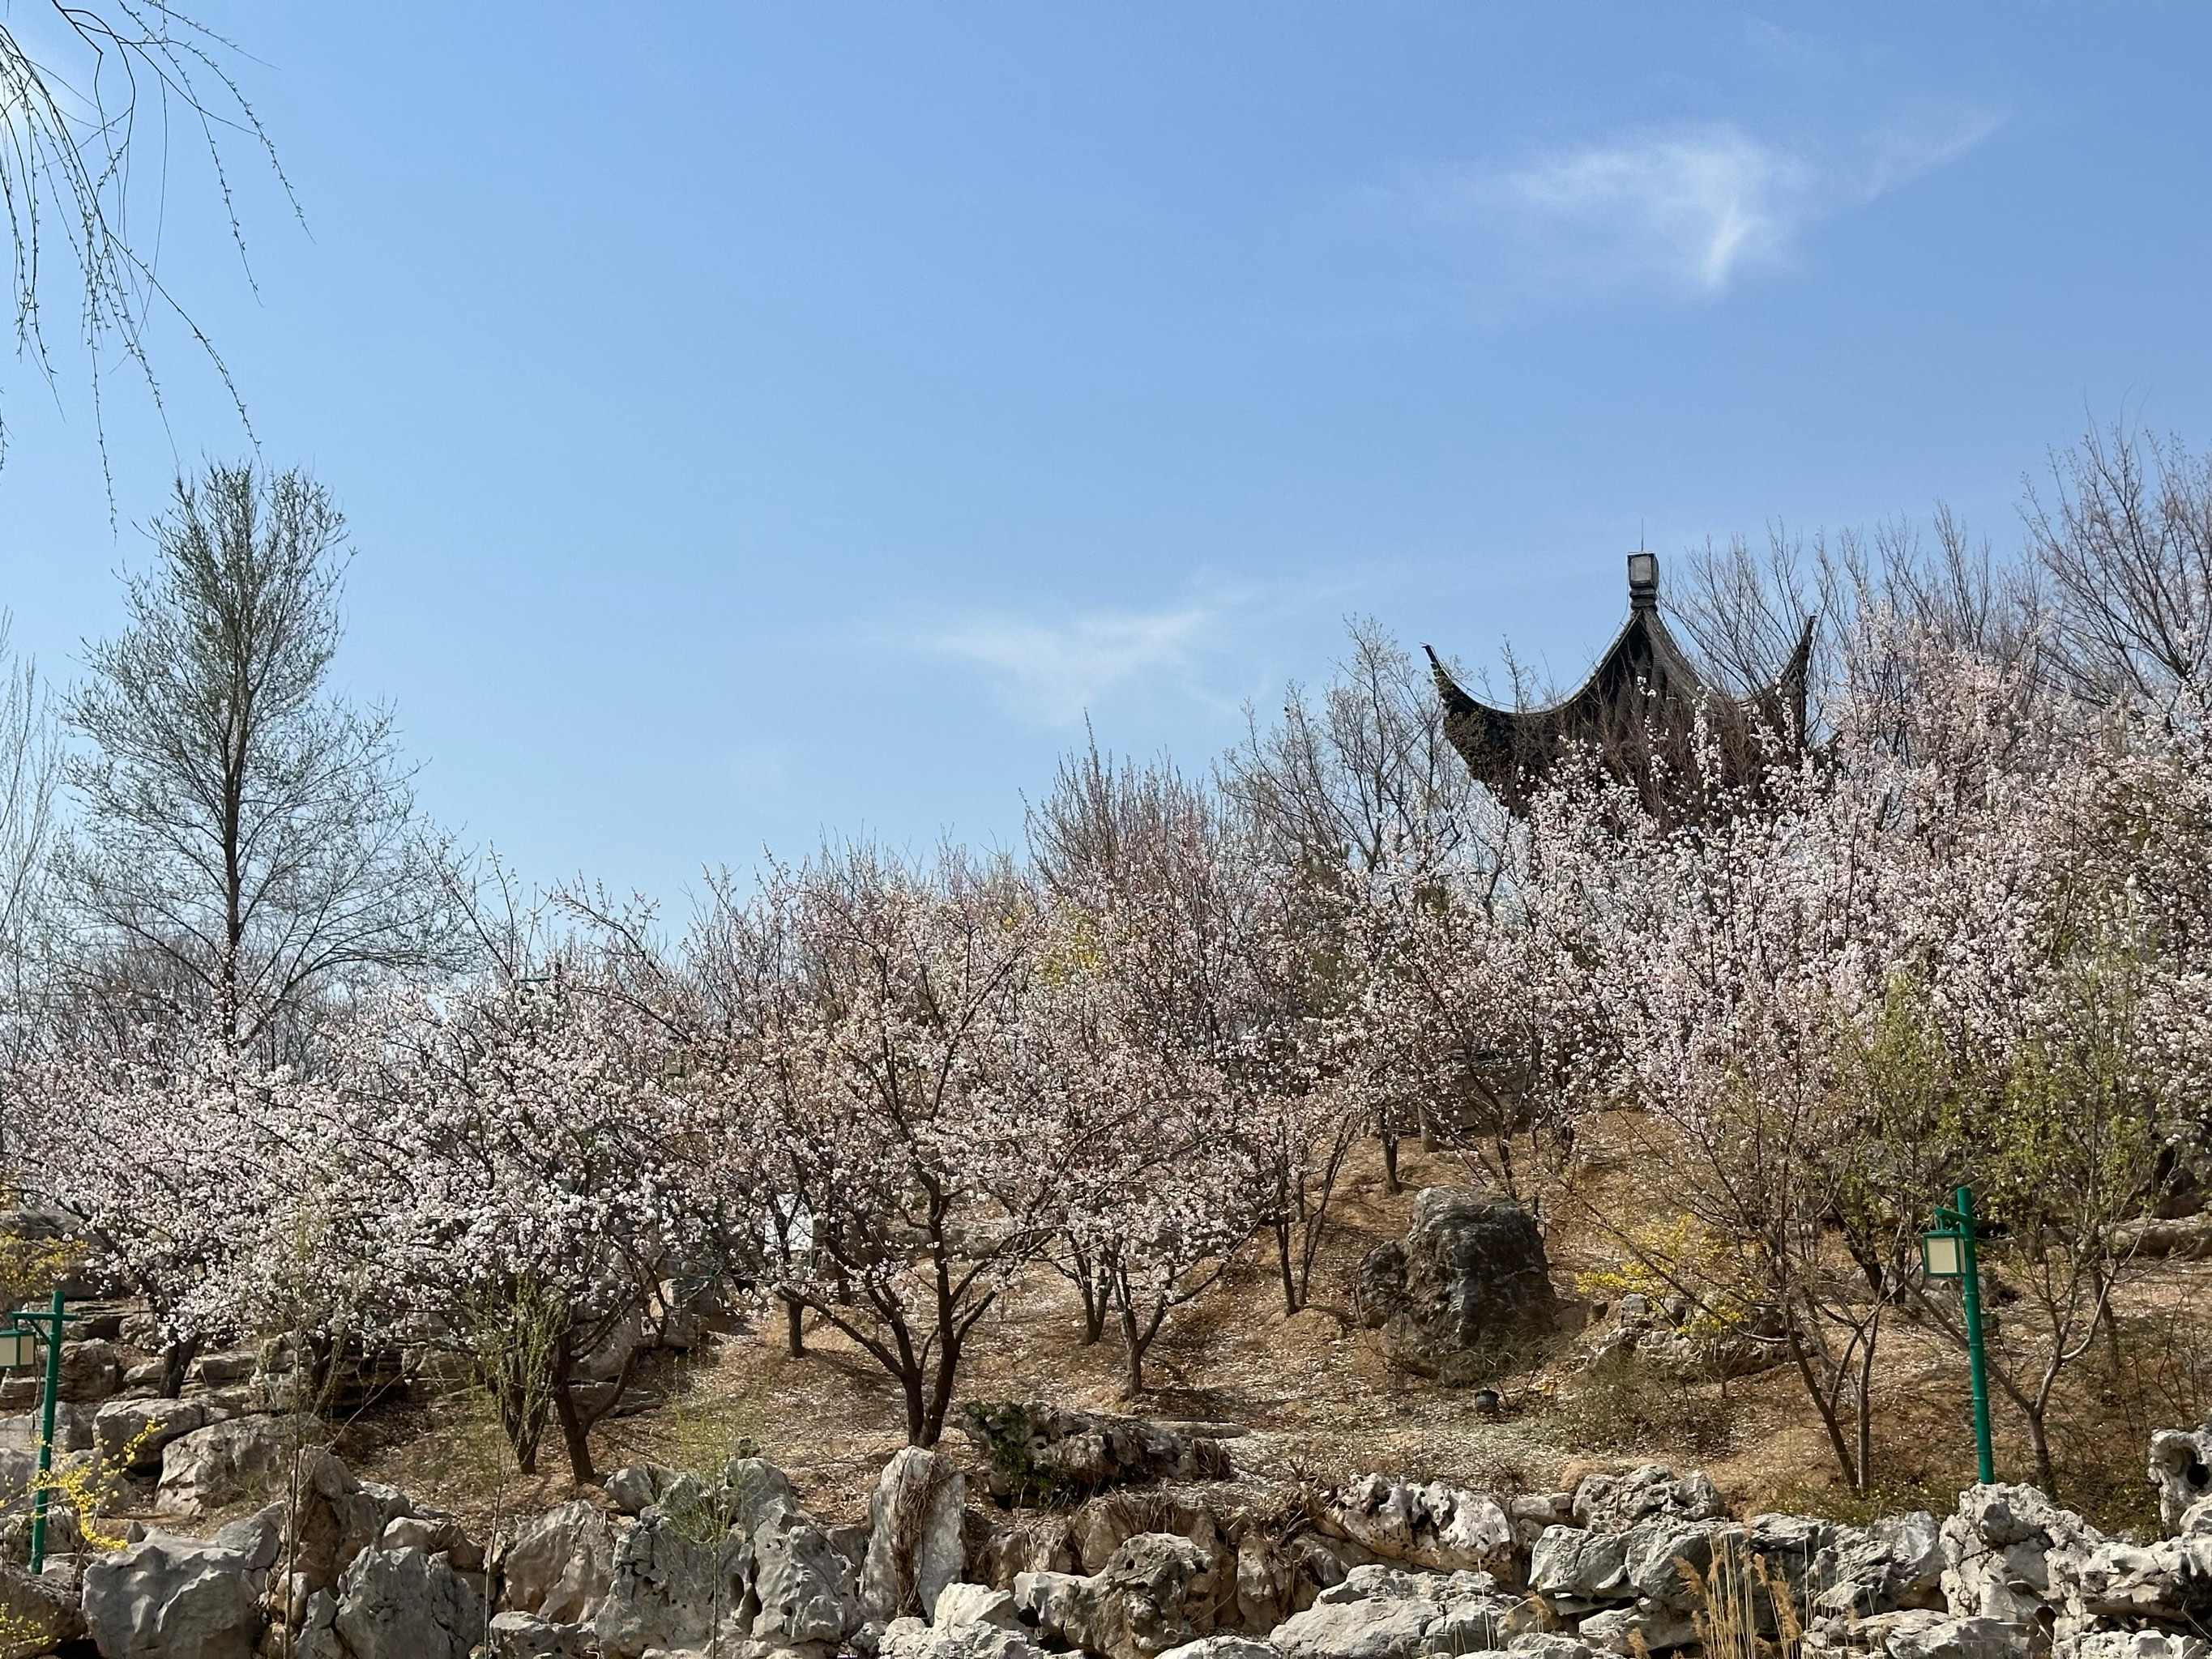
(1686, 209)
(1053, 671)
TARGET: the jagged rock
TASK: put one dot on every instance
(2181, 1469)
(91, 1369)
(1135, 1606)
(1662, 1553)
(72, 1429)
(338, 1517)
(1470, 1269)
(1381, 1612)
(36, 1615)
(910, 1639)
(1570, 1564)
(144, 1427)
(220, 1370)
(433, 1532)
(1922, 1633)
(1223, 1647)
(803, 1586)
(1997, 1552)
(1652, 1628)
(1441, 1527)
(915, 1547)
(1036, 1450)
(167, 1597)
(975, 1604)
(632, 1488)
(1549, 1644)
(1030, 1543)
(523, 1636)
(671, 1590)
(1613, 1503)
(215, 1467)
(560, 1565)
(402, 1604)
(1894, 1562)
(2131, 1644)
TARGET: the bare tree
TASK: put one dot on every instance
(29, 771)
(2125, 540)
(92, 93)
(246, 834)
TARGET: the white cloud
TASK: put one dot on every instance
(1054, 671)
(1686, 209)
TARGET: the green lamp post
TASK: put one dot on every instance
(1947, 1252)
(19, 1344)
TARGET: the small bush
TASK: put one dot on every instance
(1621, 1404)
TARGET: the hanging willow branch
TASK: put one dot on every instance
(89, 111)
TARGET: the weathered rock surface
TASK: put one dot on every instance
(910, 1639)
(1444, 1527)
(215, 1467)
(174, 1598)
(914, 1547)
(560, 1565)
(142, 1428)
(2181, 1469)
(1470, 1270)
(524, 1636)
(1141, 1604)
(803, 1587)
(36, 1615)
(91, 1369)
(1381, 1612)
(673, 1587)
(402, 1604)
(1613, 1503)
(1036, 1450)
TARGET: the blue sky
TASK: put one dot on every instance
(760, 419)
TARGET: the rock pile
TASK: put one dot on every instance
(673, 1566)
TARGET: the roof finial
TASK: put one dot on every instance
(1643, 580)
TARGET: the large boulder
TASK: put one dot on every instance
(803, 1587)
(1614, 1502)
(674, 1585)
(402, 1604)
(1383, 1613)
(91, 1369)
(1998, 1553)
(910, 1639)
(1470, 1271)
(336, 1518)
(174, 1598)
(1441, 1527)
(1140, 1604)
(1036, 1451)
(135, 1431)
(1894, 1562)
(524, 1636)
(560, 1565)
(215, 1467)
(2181, 1469)
(36, 1615)
(915, 1547)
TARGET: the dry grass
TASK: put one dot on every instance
(1318, 1399)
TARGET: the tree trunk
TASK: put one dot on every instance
(177, 1364)
(1132, 1352)
(794, 1313)
(2039, 1442)
(574, 1435)
(1283, 1261)
(1391, 1184)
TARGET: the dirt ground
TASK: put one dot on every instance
(1315, 1398)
